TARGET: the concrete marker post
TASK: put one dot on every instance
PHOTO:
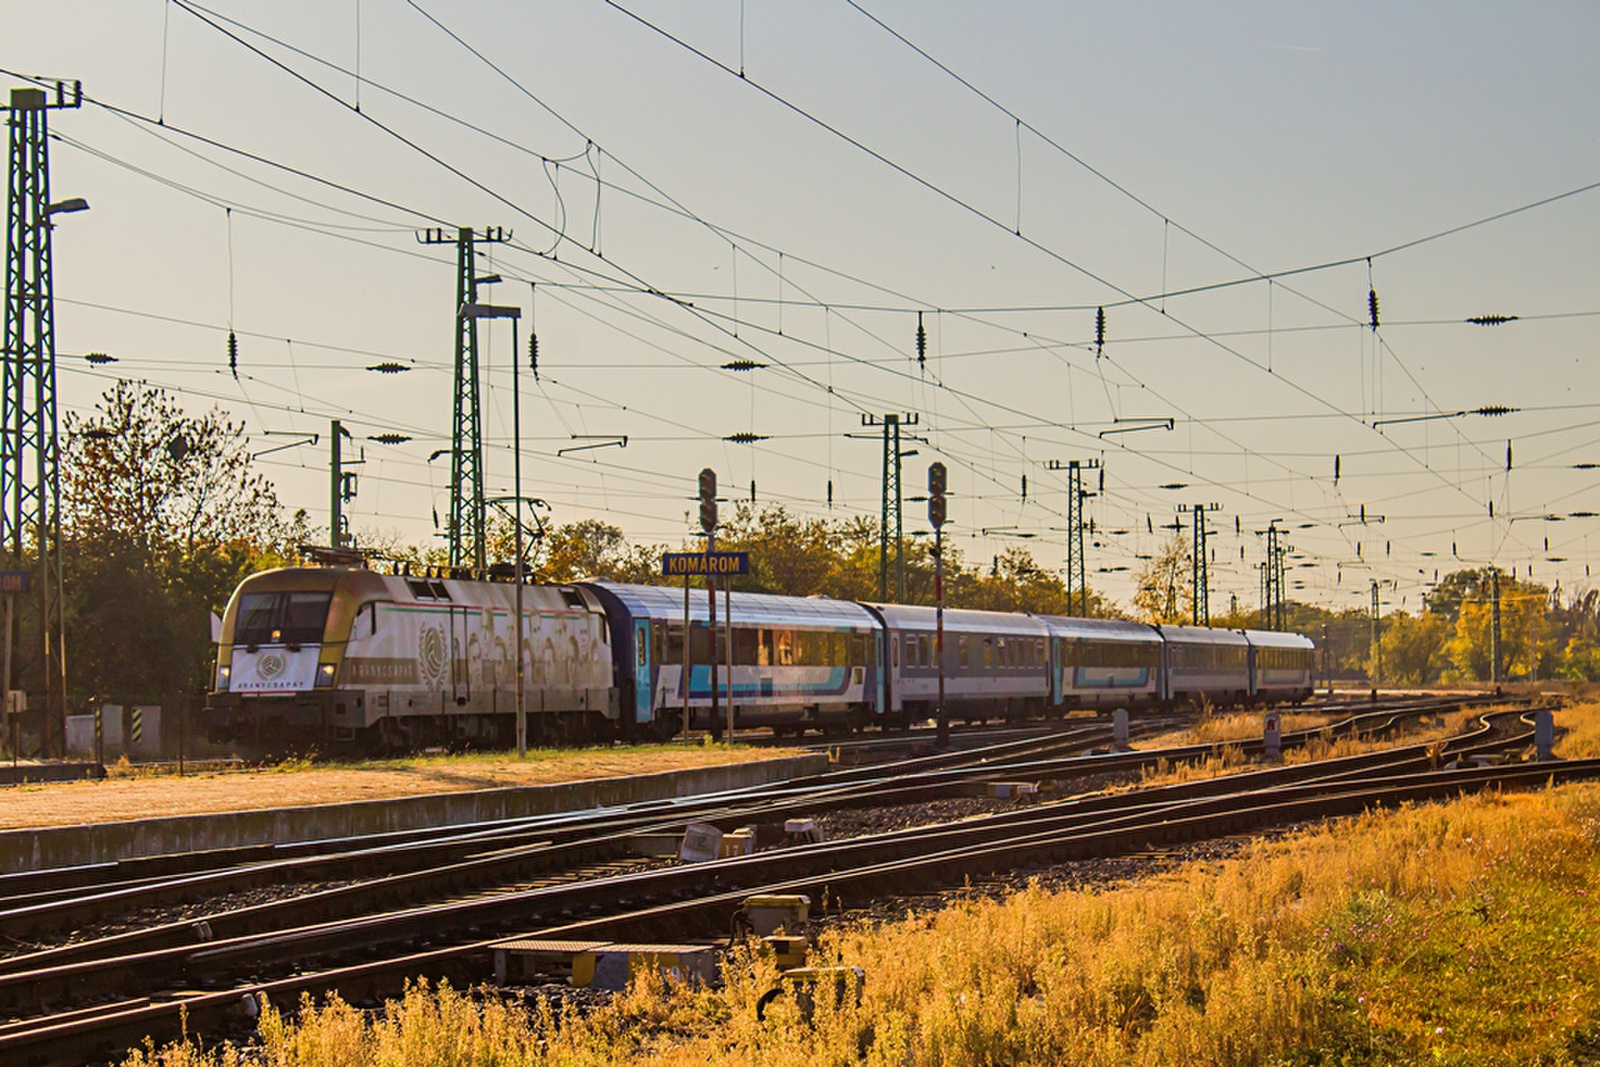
(1544, 734)
(1119, 730)
(1272, 735)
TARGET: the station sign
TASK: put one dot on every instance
(16, 581)
(697, 564)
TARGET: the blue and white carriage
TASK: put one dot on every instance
(995, 662)
(797, 662)
(1281, 665)
(1098, 663)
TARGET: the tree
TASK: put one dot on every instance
(590, 548)
(1527, 645)
(163, 516)
(1165, 589)
(1413, 647)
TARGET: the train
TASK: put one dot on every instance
(343, 657)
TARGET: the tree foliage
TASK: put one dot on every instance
(162, 516)
(1165, 584)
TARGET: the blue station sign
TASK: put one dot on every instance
(17, 581)
(698, 564)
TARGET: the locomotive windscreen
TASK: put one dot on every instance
(281, 618)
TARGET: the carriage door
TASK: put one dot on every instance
(460, 676)
(643, 688)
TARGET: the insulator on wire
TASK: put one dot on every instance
(922, 344)
(1149, 524)
(533, 354)
(1024, 488)
(1336, 469)
(1508, 455)
(1372, 308)
(1492, 320)
(1099, 330)
(830, 494)
(1491, 509)
(752, 490)
(233, 353)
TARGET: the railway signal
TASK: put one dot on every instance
(708, 523)
(708, 501)
(937, 481)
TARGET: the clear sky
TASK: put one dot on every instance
(668, 216)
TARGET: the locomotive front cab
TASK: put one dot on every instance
(279, 655)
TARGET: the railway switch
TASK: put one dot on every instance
(802, 984)
(1010, 790)
(768, 913)
(788, 950)
(802, 831)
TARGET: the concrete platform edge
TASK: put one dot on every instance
(67, 846)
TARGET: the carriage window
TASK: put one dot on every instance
(922, 651)
(961, 651)
(911, 651)
(839, 649)
(783, 647)
(745, 645)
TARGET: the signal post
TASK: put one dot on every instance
(936, 515)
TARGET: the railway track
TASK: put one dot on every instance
(78, 1000)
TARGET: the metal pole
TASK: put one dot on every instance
(727, 614)
(711, 634)
(516, 491)
(943, 737)
(335, 534)
(688, 662)
(1494, 625)
(11, 599)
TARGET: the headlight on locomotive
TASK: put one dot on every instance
(325, 674)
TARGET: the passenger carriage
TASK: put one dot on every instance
(798, 662)
(1282, 666)
(995, 663)
(1100, 663)
(1205, 665)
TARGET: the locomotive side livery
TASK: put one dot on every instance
(345, 657)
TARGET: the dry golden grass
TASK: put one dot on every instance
(1466, 933)
(1578, 731)
(299, 782)
(1229, 760)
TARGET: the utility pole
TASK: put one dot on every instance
(341, 486)
(30, 473)
(1077, 566)
(708, 524)
(1377, 645)
(466, 531)
(1201, 594)
(889, 526)
(1272, 599)
(936, 515)
(1494, 625)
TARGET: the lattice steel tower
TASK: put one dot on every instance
(468, 545)
(1200, 595)
(30, 472)
(890, 528)
(1077, 565)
